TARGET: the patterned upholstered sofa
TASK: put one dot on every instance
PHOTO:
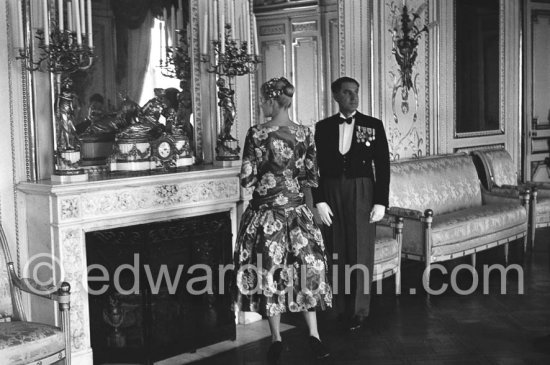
(499, 175)
(447, 214)
(22, 341)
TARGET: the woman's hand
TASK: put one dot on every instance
(325, 213)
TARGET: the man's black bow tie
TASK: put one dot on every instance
(346, 120)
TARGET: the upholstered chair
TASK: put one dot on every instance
(22, 341)
(500, 176)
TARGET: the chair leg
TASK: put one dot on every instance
(426, 275)
(398, 281)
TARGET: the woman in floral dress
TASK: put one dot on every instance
(280, 260)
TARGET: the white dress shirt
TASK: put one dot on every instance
(346, 134)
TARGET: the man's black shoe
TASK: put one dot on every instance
(355, 323)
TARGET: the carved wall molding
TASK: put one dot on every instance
(304, 26)
(274, 29)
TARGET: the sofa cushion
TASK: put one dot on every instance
(25, 342)
(441, 183)
(475, 222)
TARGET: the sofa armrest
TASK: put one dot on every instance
(505, 195)
(405, 213)
(59, 294)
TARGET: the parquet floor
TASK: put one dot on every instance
(449, 328)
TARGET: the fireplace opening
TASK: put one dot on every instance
(157, 290)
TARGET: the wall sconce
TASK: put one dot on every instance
(405, 35)
(66, 46)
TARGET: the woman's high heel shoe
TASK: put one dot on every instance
(274, 352)
(318, 348)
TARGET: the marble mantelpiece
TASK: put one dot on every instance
(59, 215)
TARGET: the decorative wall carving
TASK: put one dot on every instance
(69, 208)
(405, 98)
(72, 245)
(272, 29)
(304, 26)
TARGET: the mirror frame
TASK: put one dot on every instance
(32, 100)
(501, 97)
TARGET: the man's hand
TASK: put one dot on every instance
(325, 213)
(377, 213)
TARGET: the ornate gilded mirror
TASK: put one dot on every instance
(135, 64)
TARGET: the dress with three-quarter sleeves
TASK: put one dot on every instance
(280, 260)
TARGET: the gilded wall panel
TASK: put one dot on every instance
(404, 82)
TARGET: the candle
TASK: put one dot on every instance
(173, 24)
(181, 12)
(232, 6)
(70, 27)
(60, 13)
(160, 41)
(77, 22)
(222, 34)
(222, 16)
(204, 48)
(83, 17)
(215, 20)
(90, 29)
(21, 24)
(246, 18)
(46, 25)
(256, 45)
(166, 35)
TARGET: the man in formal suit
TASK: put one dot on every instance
(351, 197)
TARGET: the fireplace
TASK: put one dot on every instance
(66, 221)
(163, 301)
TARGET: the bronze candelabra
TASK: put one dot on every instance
(62, 54)
(178, 63)
(231, 59)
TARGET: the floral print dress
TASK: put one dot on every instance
(280, 259)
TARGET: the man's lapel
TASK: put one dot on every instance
(334, 131)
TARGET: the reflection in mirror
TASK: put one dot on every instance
(477, 66)
(136, 64)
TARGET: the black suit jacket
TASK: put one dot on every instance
(359, 160)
